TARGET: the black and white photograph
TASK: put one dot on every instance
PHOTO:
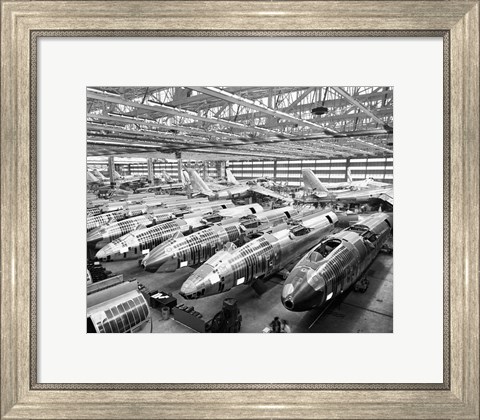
(239, 209)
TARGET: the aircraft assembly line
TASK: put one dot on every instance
(235, 209)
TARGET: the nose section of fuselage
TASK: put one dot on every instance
(94, 236)
(298, 295)
(190, 288)
(108, 250)
(203, 282)
(159, 260)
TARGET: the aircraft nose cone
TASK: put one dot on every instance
(154, 261)
(288, 303)
(94, 236)
(101, 254)
(302, 297)
(162, 258)
(188, 288)
(107, 251)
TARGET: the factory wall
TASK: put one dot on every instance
(289, 171)
(328, 170)
(141, 169)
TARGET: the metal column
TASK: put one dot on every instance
(178, 155)
(151, 175)
(347, 167)
(111, 170)
(221, 169)
(205, 169)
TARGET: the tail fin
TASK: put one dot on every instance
(311, 181)
(230, 178)
(198, 184)
(99, 175)
(116, 175)
(91, 177)
(167, 177)
(349, 175)
(185, 178)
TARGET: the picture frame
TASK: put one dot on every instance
(24, 22)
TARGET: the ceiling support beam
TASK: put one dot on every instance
(147, 123)
(221, 94)
(299, 99)
(145, 146)
(175, 142)
(353, 101)
(156, 107)
(329, 103)
(230, 97)
(171, 144)
(375, 146)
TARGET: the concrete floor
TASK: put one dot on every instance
(354, 312)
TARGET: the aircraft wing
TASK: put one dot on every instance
(269, 193)
(384, 194)
(336, 185)
(216, 187)
(378, 184)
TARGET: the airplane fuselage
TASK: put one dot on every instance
(257, 259)
(200, 246)
(335, 264)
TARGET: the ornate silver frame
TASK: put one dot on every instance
(24, 22)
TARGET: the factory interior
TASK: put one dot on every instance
(239, 209)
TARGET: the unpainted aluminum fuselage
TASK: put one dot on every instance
(335, 264)
(194, 249)
(259, 258)
(138, 242)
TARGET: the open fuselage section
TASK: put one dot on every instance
(196, 248)
(335, 264)
(259, 258)
(141, 241)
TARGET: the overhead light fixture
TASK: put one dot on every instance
(320, 110)
(388, 128)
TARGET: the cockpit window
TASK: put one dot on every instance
(369, 236)
(315, 256)
(214, 218)
(250, 221)
(361, 229)
(327, 247)
(251, 224)
(299, 230)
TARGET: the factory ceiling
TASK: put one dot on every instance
(249, 122)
